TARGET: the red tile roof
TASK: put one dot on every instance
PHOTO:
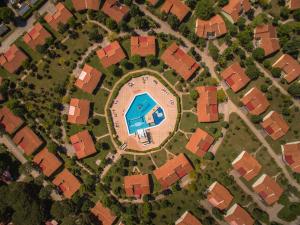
(173, 170)
(236, 215)
(79, 111)
(67, 183)
(293, 4)
(47, 161)
(215, 27)
(137, 185)
(235, 77)
(9, 121)
(176, 7)
(152, 2)
(61, 15)
(289, 66)
(187, 219)
(143, 45)
(207, 104)
(36, 36)
(115, 10)
(105, 215)
(88, 79)
(86, 4)
(180, 61)
(12, 59)
(218, 196)
(234, 7)
(255, 101)
(274, 124)
(27, 140)
(83, 144)
(291, 155)
(111, 54)
(200, 142)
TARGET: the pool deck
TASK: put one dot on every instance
(161, 95)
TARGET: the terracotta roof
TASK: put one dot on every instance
(255, 101)
(173, 170)
(218, 196)
(235, 77)
(105, 215)
(36, 36)
(111, 54)
(291, 155)
(67, 183)
(27, 140)
(180, 61)
(83, 144)
(293, 4)
(79, 111)
(274, 124)
(61, 15)
(187, 219)
(86, 4)
(268, 189)
(215, 27)
(234, 7)
(9, 121)
(236, 215)
(246, 165)
(207, 104)
(143, 45)
(12, 59)
(137, 185)
(152, 2)
(88, 79)
(176, 7)
(200, 142)
(47, 161)
(115, 10)
(289, 66)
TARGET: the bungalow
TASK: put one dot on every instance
(36, 36)
(235, 8)
(9, 121)
(210, 29)
(61, 15)
(143, 45)
(137, 185)
(207, 104)
(175, 7)
(291, 155)
(293, 4)
(173, 170)
(218, 196)
(83, 144)
(274, 125)
(80, 5)
(104, 215)
(180, 61)
(115, 10)
(235, 77)
(268, 189)
(88, 79)
(188, 219)
(289, 66)
(200, 142)
(238, 216)
(79, 111)
(255, 101)
(246, 165)
(111, 54)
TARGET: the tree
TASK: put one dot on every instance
(6, 15)
(115, 70)
(296, 15)
(62, 28)
(258, 54)
(194, 94)
(204, 9)
(223, 2)
(137, 60)
(245, 37)
(61, 209)
(213, 51)
(152, 60)
(284, 13)
(173, 21)
(95, 35)
(52, 147)
(241, 23)
(252, 72)
(126, 64)
(276, 72)
(256, 118)
(294, 89)
(111, 24)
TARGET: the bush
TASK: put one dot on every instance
(258, 54)
(276, 72)
(252, 72)
(256, 119)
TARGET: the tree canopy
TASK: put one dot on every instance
(204, 9)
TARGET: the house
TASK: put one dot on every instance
(218, 196)
(212, 28)
(200, 142)
(115, 10)
(187, 219)
(83, 144)
(255, 101)
(274, 125)
(175, 7)
(180, 61)
(3, 29)
(88, 79)
(67, 183)
(207, 104)
(143, 45)
(12, 59)
(289, 66)
(152, 2)
(9, 121)
(61, 15)
(235, 8)
(47, 162)
(268, 189)
(291, 155)
(235, 77)
(238, 216)
(104, 215)
(23, 9)
(293, 4)
(27, 140)
(137, 185)
(80, 5)
(111, 54)
(246, 165)
(173, 170)
(36, 36)
(266, 38)
(79, 111)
